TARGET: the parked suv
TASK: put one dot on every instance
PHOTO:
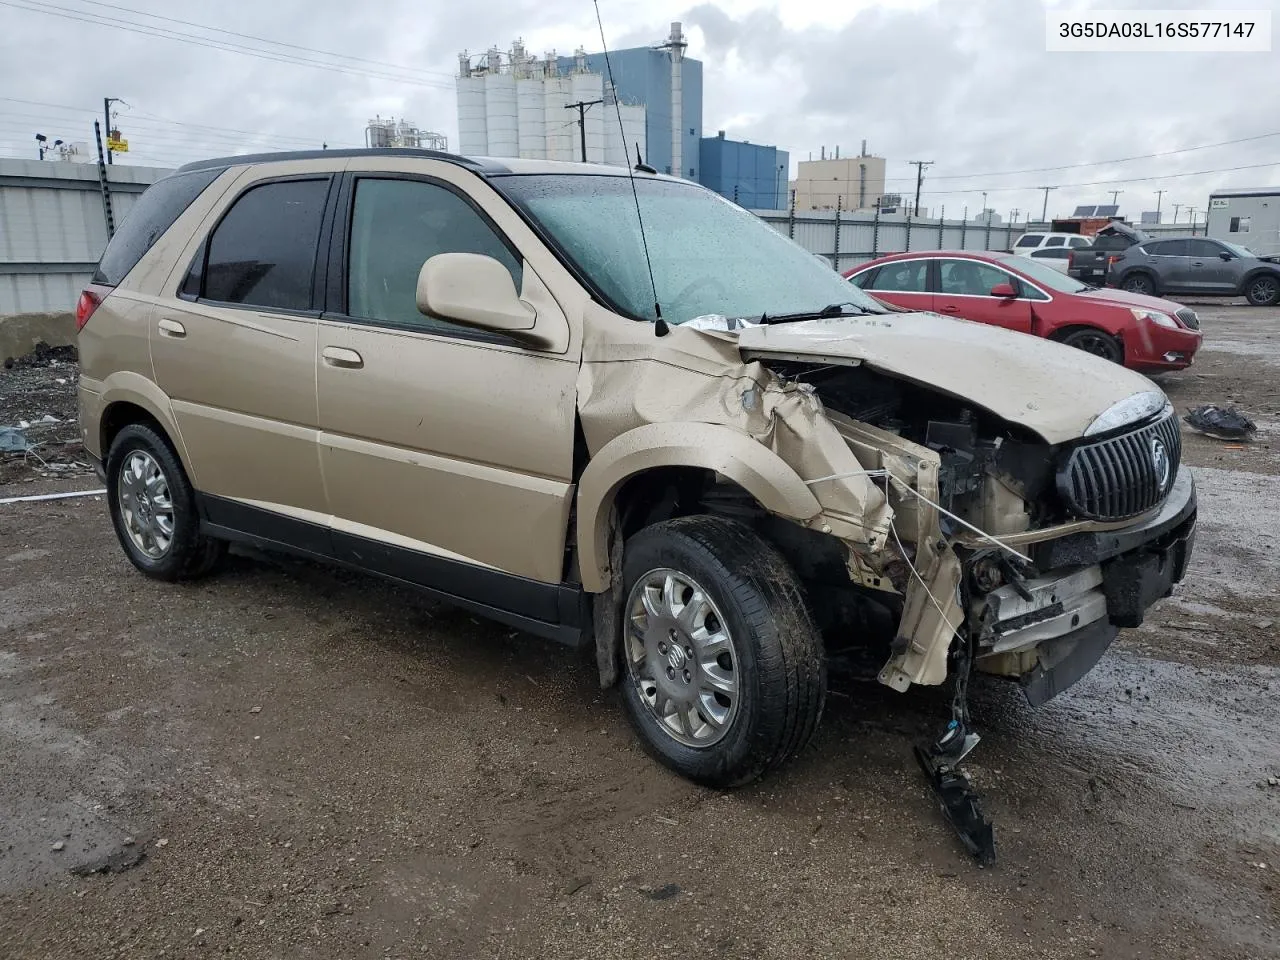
(680, 438)
(1197, 266)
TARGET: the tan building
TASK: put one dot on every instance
(857, 182)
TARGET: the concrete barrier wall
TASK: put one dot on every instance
(20, 333)
(53, 228)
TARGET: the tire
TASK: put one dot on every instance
(1098, 342)
(153, 508)
(1263, 290)
(758, 668)
(1142, 283)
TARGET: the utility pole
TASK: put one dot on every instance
(1176, 208)
(1114, 194)
(1044, 210)
(919, 165)
(1159, 196)
(984, 206)
(1013, 215)
(106, 121)
(581, 107)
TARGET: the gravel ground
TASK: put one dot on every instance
(286, 761)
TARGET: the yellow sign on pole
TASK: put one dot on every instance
(117, 145)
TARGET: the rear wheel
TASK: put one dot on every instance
(1263, 291)
(153, 508)
(1140, 283)
(723, 674)
(1097, 342)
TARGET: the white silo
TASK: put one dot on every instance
(532, 127)
(561, 124)
(620, 144)
(586, 88)
(501, 119)
(473, 136)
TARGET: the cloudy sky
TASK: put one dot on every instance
(964, 83)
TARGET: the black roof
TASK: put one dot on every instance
(222, 163)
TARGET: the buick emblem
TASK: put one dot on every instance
(1160, 463)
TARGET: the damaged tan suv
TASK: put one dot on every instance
(612, 408)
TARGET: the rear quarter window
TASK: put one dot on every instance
(1030, 240)
(154, 213)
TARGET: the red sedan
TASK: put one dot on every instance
(1144, 333)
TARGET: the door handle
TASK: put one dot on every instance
(342, 357)
(1197, 264)
(950, 309)
(171, 328)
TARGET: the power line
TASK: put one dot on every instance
(278, 43)
(1092, 163)
(37, 6)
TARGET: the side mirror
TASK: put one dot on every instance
(1004, 290)
(475, 290)
(1224, 255)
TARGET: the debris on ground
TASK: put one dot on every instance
(117, 861)
(1222, 423)
(43, 355)
(13, 440)
(38, 400)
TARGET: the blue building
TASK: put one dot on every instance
(750, 174)
(645, 75)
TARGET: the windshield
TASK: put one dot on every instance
(1045, 276)
(709, 256)
(1238, 250)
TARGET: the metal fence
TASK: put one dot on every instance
(53, 228)
(848, 239)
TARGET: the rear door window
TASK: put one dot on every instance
(1055, 241)
(1054, 253)
(910, 276)
(154, 213)
(1077, 242)
(263, 251)
(1166, 248)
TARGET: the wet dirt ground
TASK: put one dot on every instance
(286, 761)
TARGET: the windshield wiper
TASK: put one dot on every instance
(828, 312)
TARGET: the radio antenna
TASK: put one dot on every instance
(660, 327)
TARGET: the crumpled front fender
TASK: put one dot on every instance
(730, 453)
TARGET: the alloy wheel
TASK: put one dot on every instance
(1263, 290)
(146, 505)
(681, 657)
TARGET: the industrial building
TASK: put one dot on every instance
(750, 174)
(852, 183)
(519, 105)
(380, 132)
(1249, 216)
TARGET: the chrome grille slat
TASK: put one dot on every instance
(1188, 317)
(1117, 478)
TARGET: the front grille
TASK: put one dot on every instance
(1188, 318)
(1121, 477)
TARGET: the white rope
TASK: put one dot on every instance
(53, 496)
(916, 493)
(955, 631)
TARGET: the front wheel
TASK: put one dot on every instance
(723, 674)
(1097, 342)
(1263, 291)
(153, 508)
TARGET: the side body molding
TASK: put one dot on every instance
(735, 455)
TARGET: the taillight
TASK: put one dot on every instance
(1111, 260)
(1071, 259)
(89, 301)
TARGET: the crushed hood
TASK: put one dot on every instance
(1054, 390)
